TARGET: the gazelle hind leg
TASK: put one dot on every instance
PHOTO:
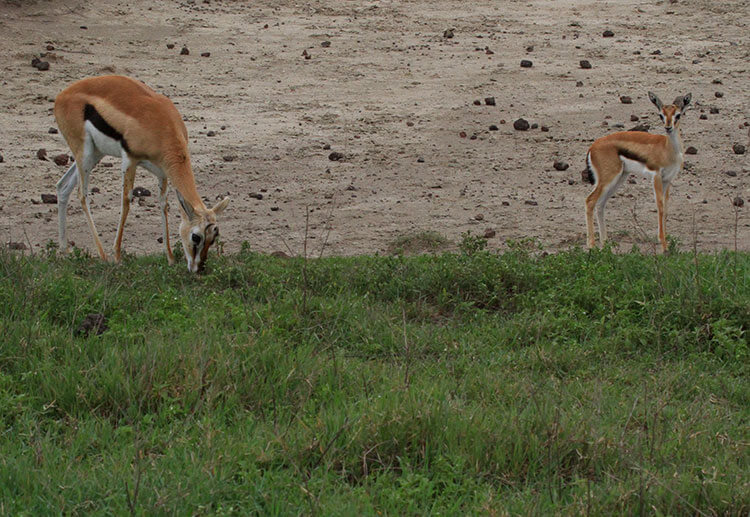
(164, 204)
(86, 162)
(591, 200)
(65, 187)
(128, 179)
(607, 193)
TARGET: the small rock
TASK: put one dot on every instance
(585, 64)
(525, 63)
(571, 181)
(530, 48)
(256, 195)
(170, 45)
(656, 52)
(521, 124)
(738, 149)
(534, 125)
(717, 81)
(626, 99)
(92, 322)
(211, 133)
(61, 159)
(691, 150)
(493, 127)
(274, 209)
(410, 123)
(731, 174)
(479, 217)
(49, 199)
(544, 129)
(718, 95)
(228, 158)
(738, 202)
(506, 203)
(1, 158)
(703, 116)
(608, 33)
(634, 118)
(141, 192)
(640, 127)
(205, 54)
(185, 51)
(39, 64)
(41, 154)
(714, 111)
(579, 83)
(336, 156)
(306, 54)
(420, 160)
(325, 44)
(489, 233)
(448, 33)
(160, 240)
(19, 246)
(530, 202)
(52, 131)
(95, 190)
(560, 166)
(462, 134)
(50, 47)
(489, 101)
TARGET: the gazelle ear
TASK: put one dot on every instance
(186, 207)
(686, 100)
(220, 206)
(657, 102)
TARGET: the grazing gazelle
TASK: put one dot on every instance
(612, 158)
(118, 116)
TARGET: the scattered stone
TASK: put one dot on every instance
(544, 129)
(579, 84)
(95, 190)
(560, 166)
(256, 195)
(714, 111)
(506, 203)
(525, 63)
(489, 233)
(718, 95)
(49, 199)
(211, 133)
(141, 192)
(626, 99)
(731, 174)
(703, 116)
(738, 202)
(493, 127)
(410, 123)
(274, 209)
(170, 45)
(640, 127)
(42, 154)
(52, 131)
(571, 181)
(39, 64)
(717, 81)
(585, 64)
(738, 149)
(608, 34)
(228, 158)
(634, 118)
(462, 134)
(656, 52)
(521, 124)
(61, 159)
(691, 150)
(185, 51)
(448, 33)
(477, 102)
(205, 54)
(530, 48)
(530, 202)
(336, 156)
(18, 246)
(325, 44)
(479, 217)
(160, 240)
(1, 158)
(420, 160)
(306, 54)
(50, 47)
(489, 101)
(96, 323)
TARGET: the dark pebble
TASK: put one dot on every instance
(493, 127)
(731, 174)
(585, 64)
(274, 209)
(325, 44)
(534, 125)
(489, 233)
(141, 192)
(477, 102)
(336, 156)
(521, 124)
(61, 159)
(714, 111)
(160, 240)
(738, 202)
(718, 95)
(691, 150)
(42, 66)
(1, 158)
(256, 195)
(530, 202)
(228, 158)
(703, 116)
(634, 118)
(50, 47)
(448, 33)
(41, 154)
(49, 199)
(489, 101)
(544, 129)
(95, 190)
(738, 149)
(326, 147)
(420, 160)
(170, 45)
(211, 133)
(530, 48)
(185, 51)
(560, 166)
(52, 131)
(626, 100)
(579, 83)
(479, 217)
(205, 54)
(525, 63)
(608, 33)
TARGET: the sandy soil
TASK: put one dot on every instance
(393, 95)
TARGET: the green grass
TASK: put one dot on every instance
(571, 383)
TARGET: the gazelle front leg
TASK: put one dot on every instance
(87, 160)
(128, 179)
(164, 204)
(661, 211)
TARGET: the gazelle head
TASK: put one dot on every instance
(198, 231)
(670, 115)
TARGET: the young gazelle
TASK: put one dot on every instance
(612, 158)
(118, 116)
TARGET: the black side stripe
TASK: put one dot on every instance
(93, 116)
(630, 155)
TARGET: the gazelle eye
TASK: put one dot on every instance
(196, 238)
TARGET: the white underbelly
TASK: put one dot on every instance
(105, 144)
(636, 167)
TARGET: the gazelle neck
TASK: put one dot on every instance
(181, 176)
(676, 141)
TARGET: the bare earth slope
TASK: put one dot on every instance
(386, 88)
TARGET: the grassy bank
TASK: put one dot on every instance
(572, 383)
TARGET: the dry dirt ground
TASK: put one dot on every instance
(395, 96)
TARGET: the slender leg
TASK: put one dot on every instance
(591, 201)
(86, 161)
(64, 188)
(659, 195)
(164, 204)
(128, 178)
